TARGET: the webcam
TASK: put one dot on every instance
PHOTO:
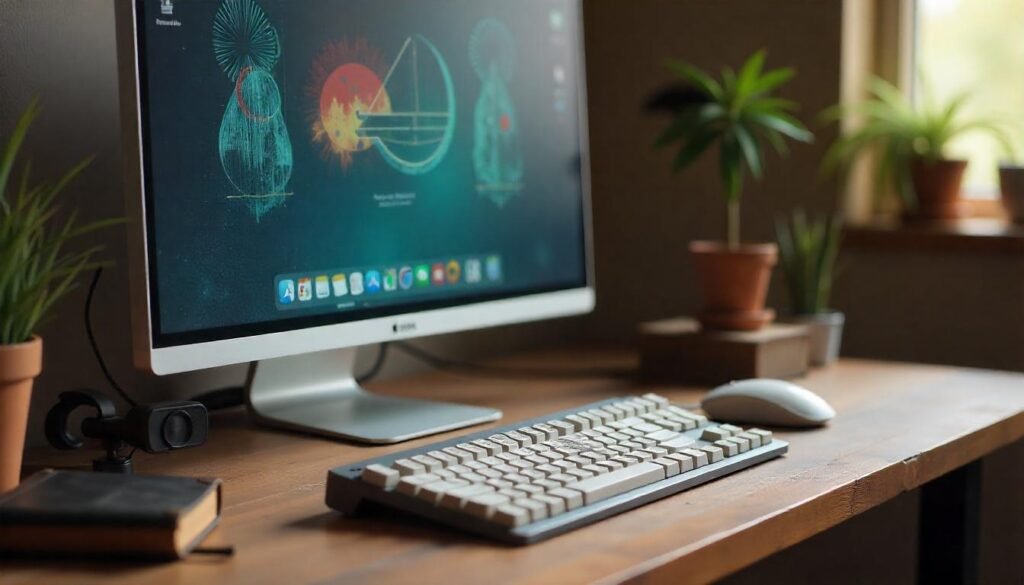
(154, 428)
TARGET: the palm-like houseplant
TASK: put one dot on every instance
(739, 114)
(36, 271)
(911, 144)
(808, 249)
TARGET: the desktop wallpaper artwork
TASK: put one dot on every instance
(303, 137)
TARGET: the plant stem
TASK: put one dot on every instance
(733, 222)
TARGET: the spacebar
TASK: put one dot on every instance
(617, 482)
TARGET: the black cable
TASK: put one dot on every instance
(378, 365)
(488, 371)
(92, 339)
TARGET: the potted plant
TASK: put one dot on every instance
(35, 272)
(911, 143)
(737, 113)
(808, 251)
(1011, 186)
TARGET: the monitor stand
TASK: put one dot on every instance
(318, 393)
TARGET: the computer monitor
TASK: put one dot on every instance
(309, 176)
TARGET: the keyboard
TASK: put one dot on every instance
(525, 482)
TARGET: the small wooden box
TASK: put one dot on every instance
(678, 351)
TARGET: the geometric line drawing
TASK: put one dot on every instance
(497, 154)
(254, 145)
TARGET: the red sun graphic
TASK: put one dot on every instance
(345, 84)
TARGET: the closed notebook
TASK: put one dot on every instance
(103, 514)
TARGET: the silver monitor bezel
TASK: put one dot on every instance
(196, 356)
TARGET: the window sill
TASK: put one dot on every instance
(974, 235)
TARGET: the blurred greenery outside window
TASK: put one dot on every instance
(974, 46)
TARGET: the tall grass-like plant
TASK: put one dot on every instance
(807, 254)
(738, 113)
(36, 270)
(900, 132)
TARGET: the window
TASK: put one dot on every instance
(975, 46)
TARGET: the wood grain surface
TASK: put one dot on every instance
(897, 426)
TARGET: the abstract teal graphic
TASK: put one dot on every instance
(497, 156)
(411, 118)
(255, 150)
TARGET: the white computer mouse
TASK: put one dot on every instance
(767, 402)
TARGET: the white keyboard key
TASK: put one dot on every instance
(628, 408)
(380, 476)
(550, 432)
(483, 506)
(677, 444)
(510, 516)
(555, 505)
(565, 428)
(456, 498)
(523, 440)
(408, 467)
(579, 422)
(715, 454)
(755, 440)
(537, 510)
(700, 458)
(713, 434)
(616, 412)
(444, 458)
(743, 444)
(766, 436)
(733, 429)
(459, 454)
(410, 485)
(671, 466)
(428, 463)
(432, 492)
(646, 427)
(662, 435)
(657, 399)
(601, 487)
(686, 462)
(573, 499)
(730, 449)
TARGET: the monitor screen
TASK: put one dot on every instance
(314, 162)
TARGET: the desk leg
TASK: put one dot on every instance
(948, 527)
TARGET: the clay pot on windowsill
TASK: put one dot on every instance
(937, 189)
(825, 331)
(734, 283)
(19, 366)
(1011, 183)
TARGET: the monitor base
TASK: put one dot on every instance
(318, 393)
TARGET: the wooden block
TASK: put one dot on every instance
(678, 351)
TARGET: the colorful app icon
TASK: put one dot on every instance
(437, 274)
(493, 268)
(405, 277)
(340, 284)
(422, 276)
(355, 283)
(323, 287)
(286, 292)
(474, 271)
(305, 289)
(453, 271)
(372, 281)
(390, 279)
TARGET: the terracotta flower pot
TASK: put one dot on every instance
(1011, 183)
(734, 283)
(937, 188)
(19, 366)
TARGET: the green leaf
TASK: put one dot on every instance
(698, 78)
(751, 151)
(785, 125)
(693, 148)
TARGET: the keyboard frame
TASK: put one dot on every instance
(347, 493)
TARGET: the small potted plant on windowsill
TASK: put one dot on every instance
(737, 113)
(911, 143)
(35, 272)
(808, 251)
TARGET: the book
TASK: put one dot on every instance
(104, 514)
(679, 351)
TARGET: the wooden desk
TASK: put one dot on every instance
(898, 427)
